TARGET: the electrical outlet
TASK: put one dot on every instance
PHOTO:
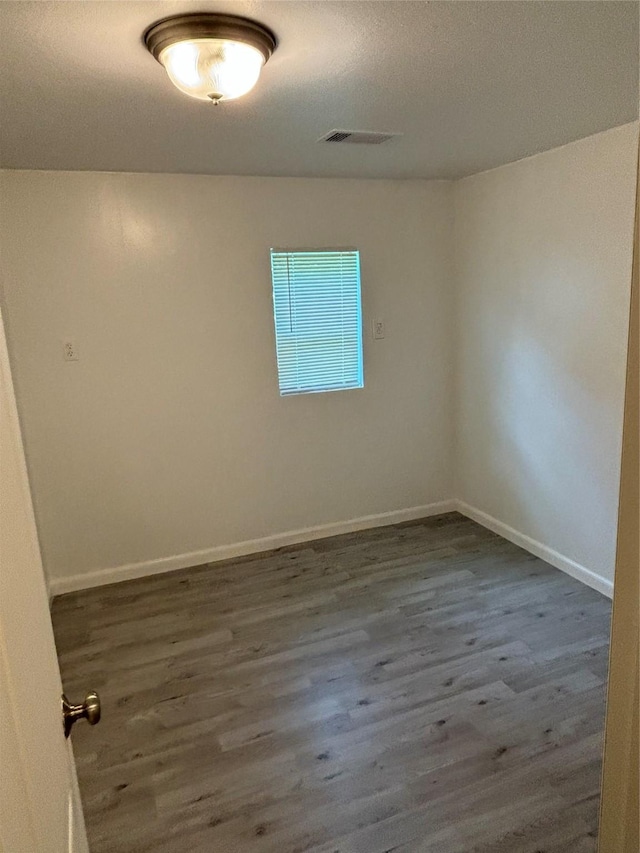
(70, 351)
(378, 329)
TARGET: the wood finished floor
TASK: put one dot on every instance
(420, 687)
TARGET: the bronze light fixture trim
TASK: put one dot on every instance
(210, 56)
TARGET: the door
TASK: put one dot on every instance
(39, 803)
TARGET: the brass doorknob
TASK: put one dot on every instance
(89, 710)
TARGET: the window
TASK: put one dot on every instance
(316, 302)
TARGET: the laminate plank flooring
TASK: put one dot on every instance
(418, 687)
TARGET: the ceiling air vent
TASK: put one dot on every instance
(357, 137)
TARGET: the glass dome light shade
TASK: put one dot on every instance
(212, 69)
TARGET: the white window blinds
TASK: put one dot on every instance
(316, 299)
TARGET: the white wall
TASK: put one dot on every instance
(169, 435)
(543, 266)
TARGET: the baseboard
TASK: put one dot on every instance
(129, 571)
(536, 548)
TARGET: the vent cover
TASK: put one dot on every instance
(357, 137)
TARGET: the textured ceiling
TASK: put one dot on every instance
(470, 85)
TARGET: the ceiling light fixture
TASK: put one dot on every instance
(210, 56)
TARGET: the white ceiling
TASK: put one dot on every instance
(470, 85)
